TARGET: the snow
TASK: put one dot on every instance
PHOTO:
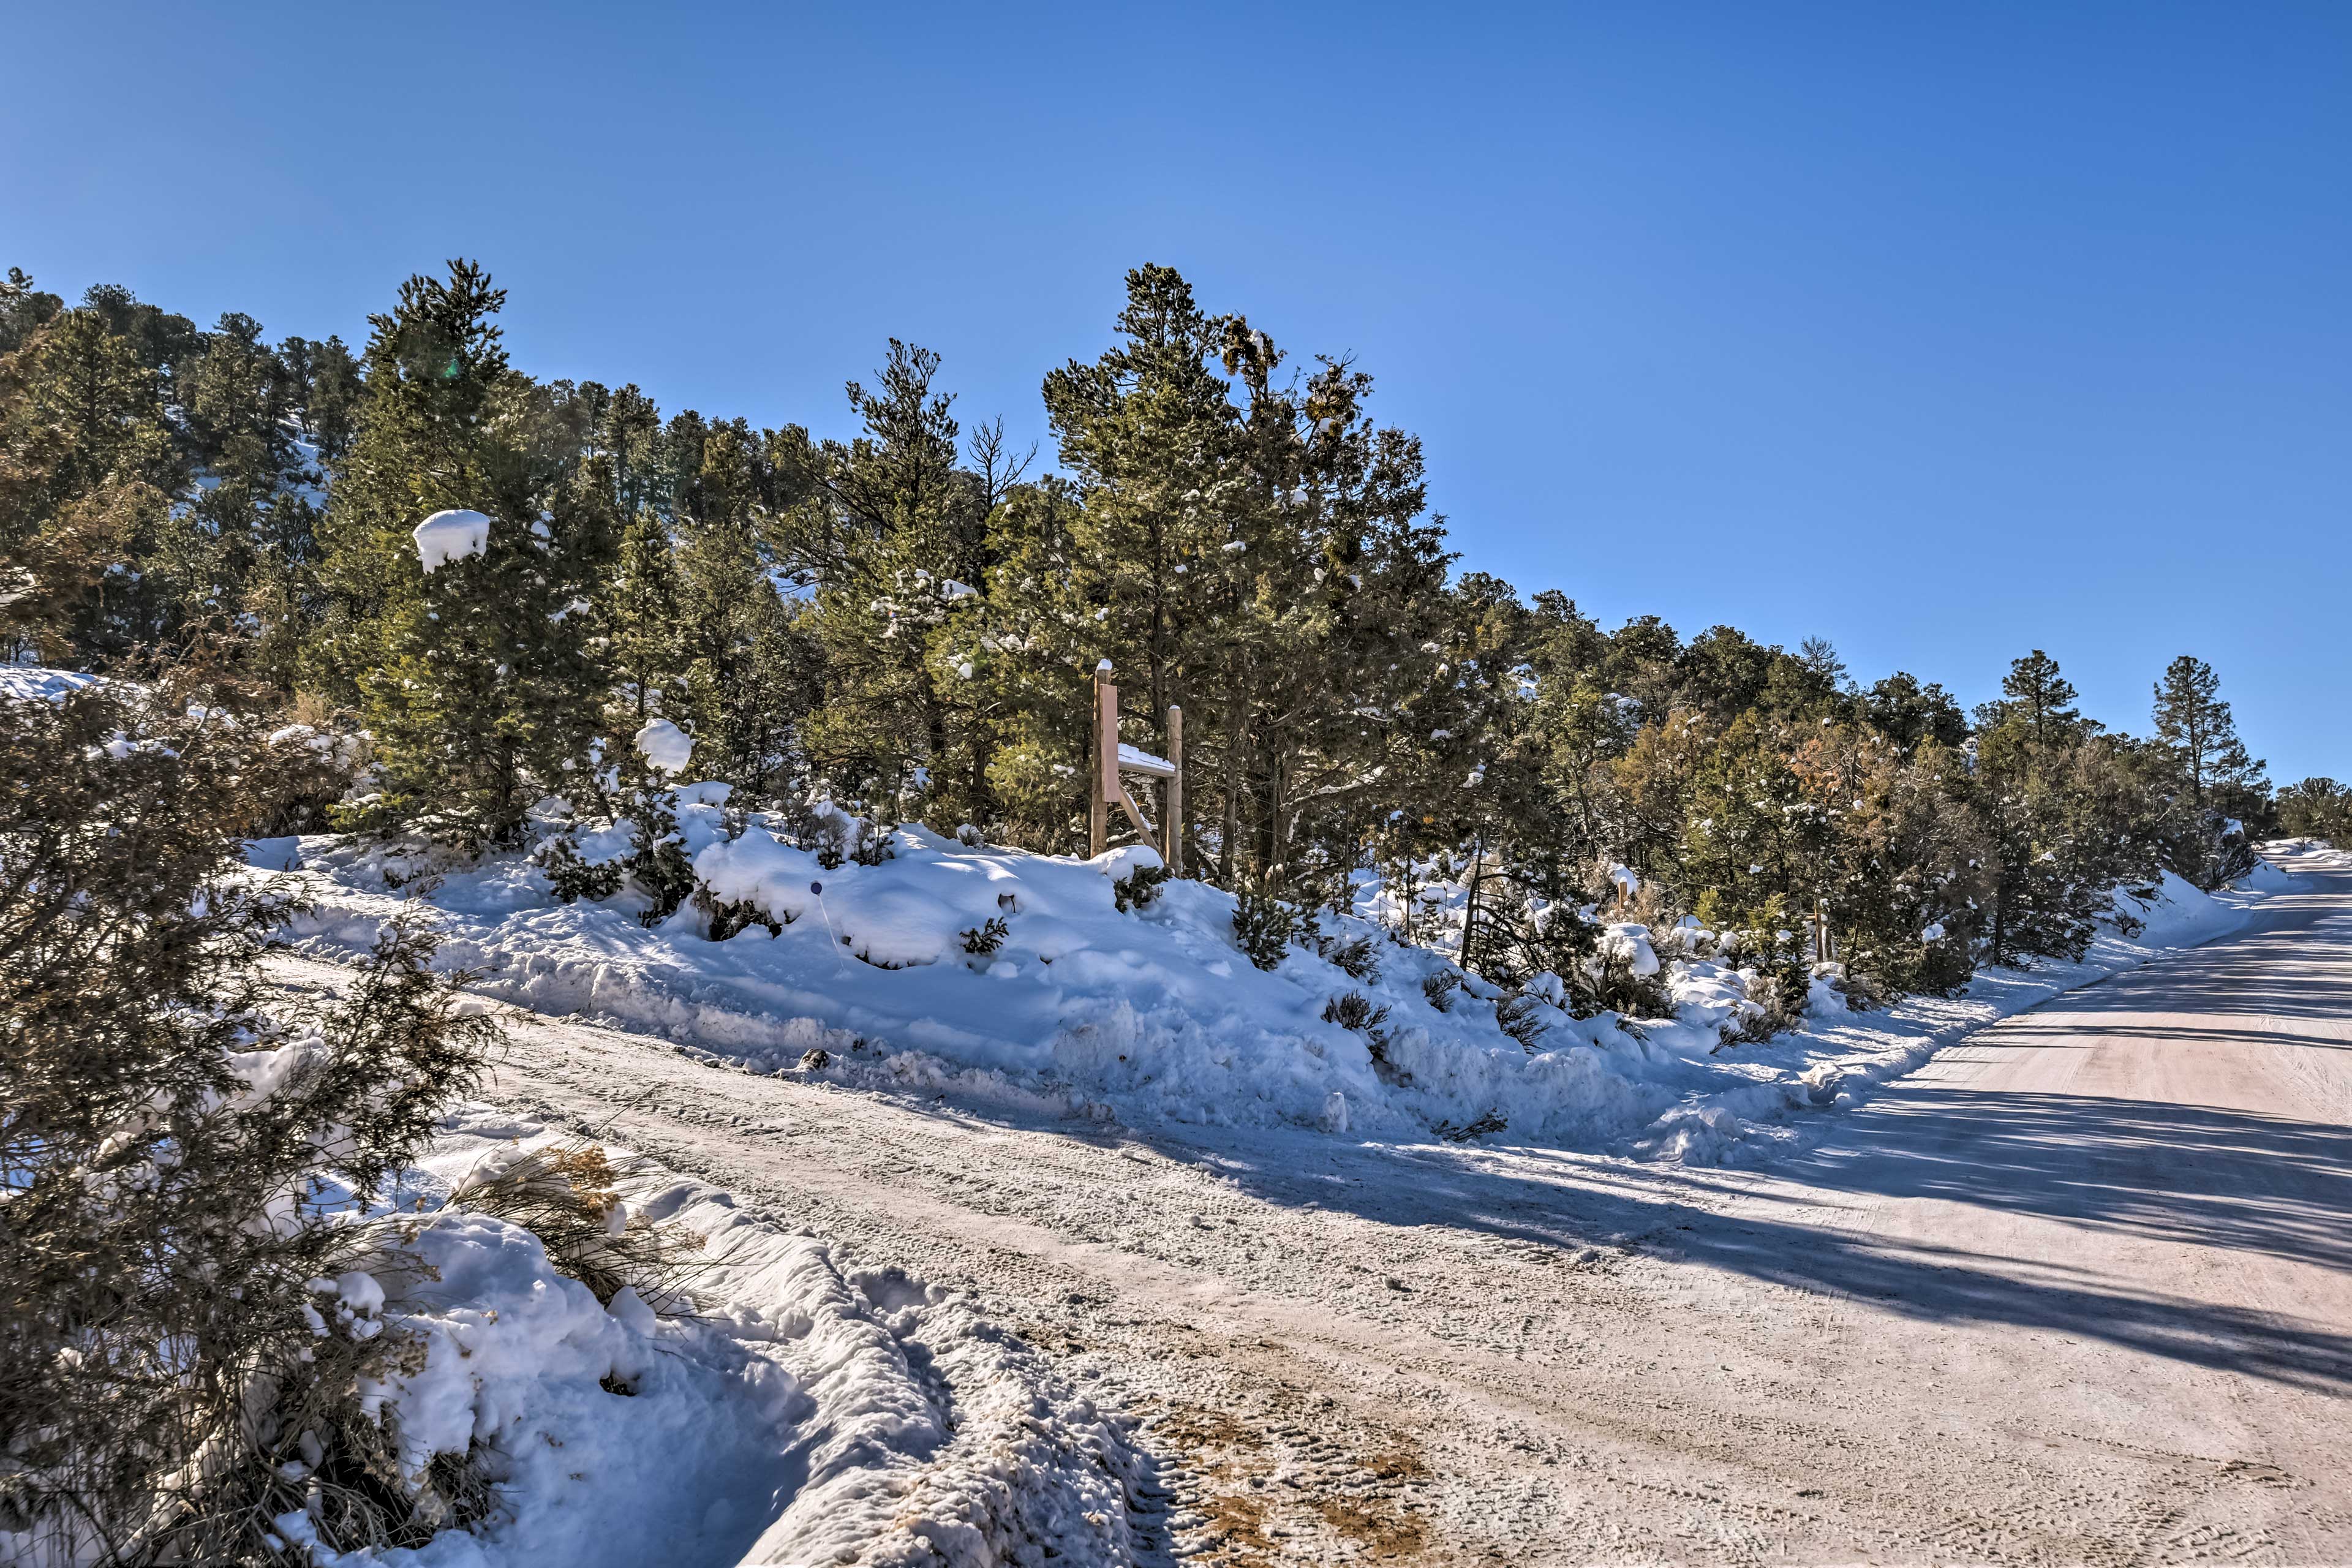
(2180, 915)
(811, 1409)
(33, 683)
(1134, 760)
(665, 745)
(2318, 850)
(453, 535)
(1631, 944)
(1154, 1015)
(273, 854)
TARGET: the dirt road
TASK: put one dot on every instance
(2080, 1292)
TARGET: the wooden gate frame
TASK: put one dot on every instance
(1111, 763)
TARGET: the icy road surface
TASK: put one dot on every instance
(2078, 1291)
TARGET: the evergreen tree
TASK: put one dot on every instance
(1906, 869)
(1910, 714)
(2316, 808)
(2042, 698)
(23, 309)
(474, 677)
(173, 1187)
(2069, 824)
(90, 465)
(879, 540)
(644, 608)
(1756, 853)
(750, 675)
(2216, 787)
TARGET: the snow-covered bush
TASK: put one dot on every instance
(1358, 956)
(1438, 987)
(572, 875)
(1779, 966)
(1140, 887)
(563, 1193)
(1264, 926)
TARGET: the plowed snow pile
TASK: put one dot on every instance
(883, 976)
(806, 1413)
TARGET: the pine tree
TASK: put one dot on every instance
(1910, 714)
(2042, 697)
(90, 465)
(23, 309)
(1756, 853)
(324, 385)
(644, 608)
(879, 539)
(2316, 808)
(2069, 824)
(1906, 869)
(2215, 786)
(474, 678)
(750, 675)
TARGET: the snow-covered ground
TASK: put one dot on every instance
(883, 976)
(1343, 1350)
(806, 1411)
(38, 683)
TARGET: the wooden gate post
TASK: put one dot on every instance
(1171, 832)
(1103, 775)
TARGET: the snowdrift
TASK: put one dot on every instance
(891, 976)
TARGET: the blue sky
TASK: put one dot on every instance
(1940, 332)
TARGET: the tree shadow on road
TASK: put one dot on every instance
(2191, 1175)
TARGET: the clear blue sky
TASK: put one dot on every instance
(1941, 332)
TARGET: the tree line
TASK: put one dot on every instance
(907, 621)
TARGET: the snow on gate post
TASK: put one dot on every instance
(1110, 762)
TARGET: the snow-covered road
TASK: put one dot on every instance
(2076, 1291)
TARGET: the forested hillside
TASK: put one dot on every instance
(908, 622)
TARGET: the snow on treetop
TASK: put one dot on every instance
(665, 745)
(447, 536)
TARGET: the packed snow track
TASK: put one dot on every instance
(2076, 1291)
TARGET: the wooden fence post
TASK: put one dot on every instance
(1104, 774)
(1171, 832)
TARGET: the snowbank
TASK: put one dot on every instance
(808, 1412)
(2316, 851)
(1013, 979)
